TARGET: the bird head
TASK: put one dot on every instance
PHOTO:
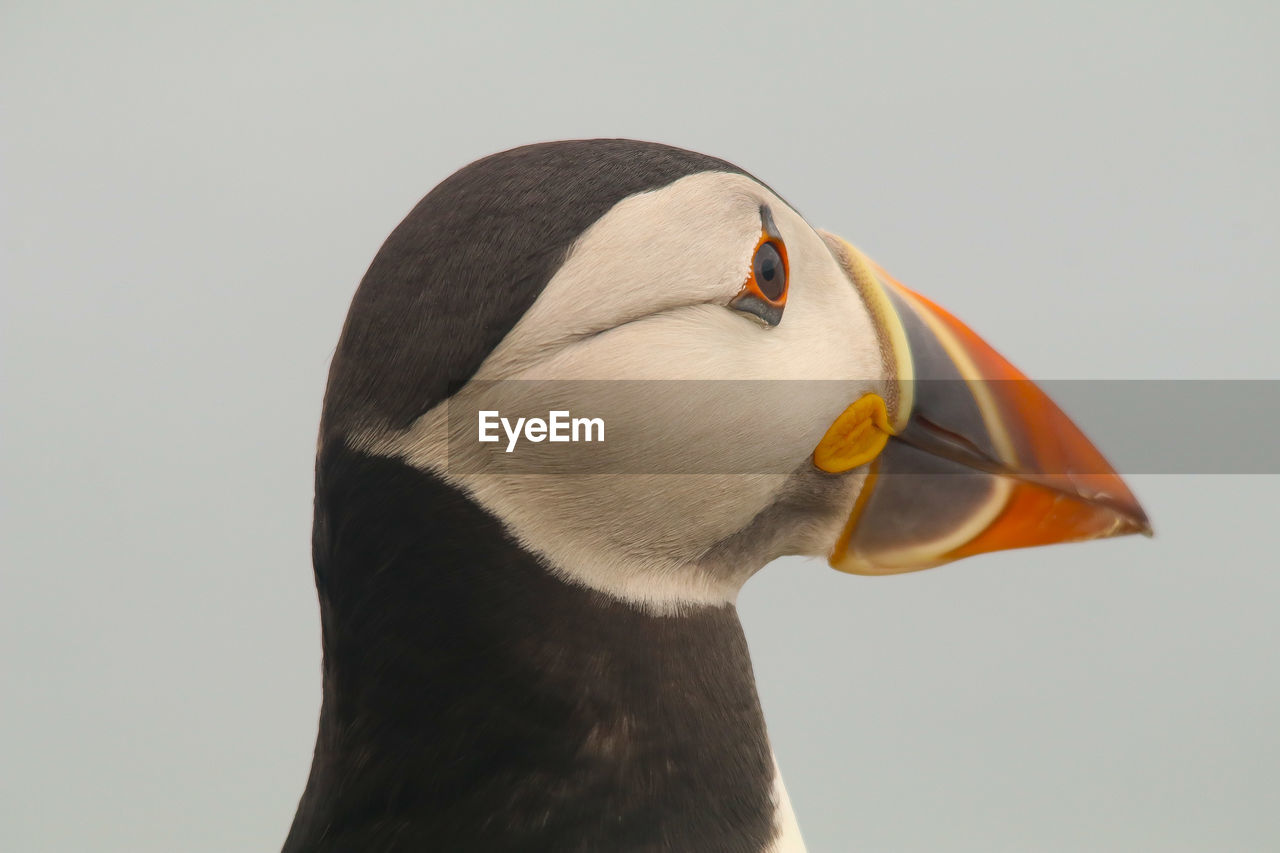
(763, 387)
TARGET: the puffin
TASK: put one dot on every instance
(529, 631)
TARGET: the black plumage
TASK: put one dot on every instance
(473, 700)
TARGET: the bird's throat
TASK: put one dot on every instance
(473, 699)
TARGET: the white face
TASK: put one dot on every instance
(646, 293)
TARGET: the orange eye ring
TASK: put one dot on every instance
(764, 294)
(770, 274)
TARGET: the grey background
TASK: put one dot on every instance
(191, 192)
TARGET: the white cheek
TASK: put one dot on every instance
(706, 389)
(718, 412)
(685, 244)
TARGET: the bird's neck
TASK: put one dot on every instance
(474, 700)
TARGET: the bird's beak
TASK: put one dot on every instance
(965, 454)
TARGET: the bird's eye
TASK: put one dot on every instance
(765, 293)
(770, 272)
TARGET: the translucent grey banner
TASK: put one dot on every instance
(772, 427)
